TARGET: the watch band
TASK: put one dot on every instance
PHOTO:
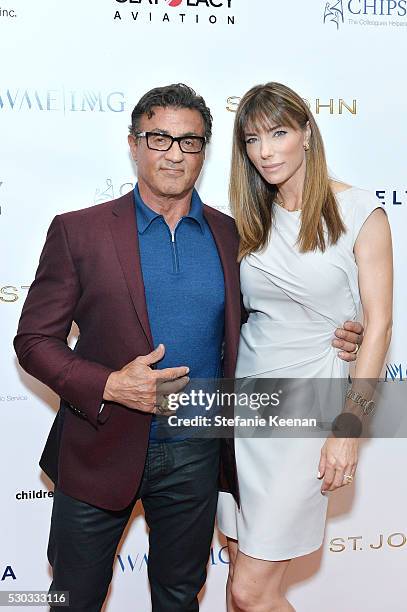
(367, 405)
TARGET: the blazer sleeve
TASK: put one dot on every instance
(46, 319)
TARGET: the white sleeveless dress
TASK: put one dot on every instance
(295, 302)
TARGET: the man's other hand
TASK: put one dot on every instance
(136, 385)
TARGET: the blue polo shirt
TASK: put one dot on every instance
(184, 288)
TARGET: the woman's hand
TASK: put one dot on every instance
(348, 339)
(339, 458)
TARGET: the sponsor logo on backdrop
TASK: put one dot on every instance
(330, 106)
(7, 573)
(379, 13)
(109, 191)
(395, 372)
(34, 495)
(358, 543)
(13, 398)
(392, 197)
(222, 208)
(61, 100)
(8, 13)
(334, 12)
(131, 563)
(10, 293)
(189, 12)
(138, 562)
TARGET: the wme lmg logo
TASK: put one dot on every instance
(61, 100)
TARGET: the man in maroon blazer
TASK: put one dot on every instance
(152, 282)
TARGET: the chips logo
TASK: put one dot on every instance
(365, 12)
(334, 12)
(109, 191)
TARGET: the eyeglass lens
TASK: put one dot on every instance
(162, 142)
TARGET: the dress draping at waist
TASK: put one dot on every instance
(302, 349)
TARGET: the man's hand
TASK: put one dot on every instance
(138, 386)
(347, 337)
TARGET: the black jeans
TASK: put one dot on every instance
(179, 493)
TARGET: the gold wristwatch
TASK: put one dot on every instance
(367, 405)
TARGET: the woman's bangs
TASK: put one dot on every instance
(262, 114)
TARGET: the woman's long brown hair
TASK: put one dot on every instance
(252, 197)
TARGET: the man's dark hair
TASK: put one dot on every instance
(178, 95)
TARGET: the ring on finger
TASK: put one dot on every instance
(348, 478)
(162, 407)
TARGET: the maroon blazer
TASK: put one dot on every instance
(89, 272)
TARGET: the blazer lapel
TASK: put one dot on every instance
(228, 256)
(123, 226)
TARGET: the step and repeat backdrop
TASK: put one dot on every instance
(70, 74)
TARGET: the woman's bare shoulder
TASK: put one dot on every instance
(338, 186)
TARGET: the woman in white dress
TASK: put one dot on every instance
(312, 251)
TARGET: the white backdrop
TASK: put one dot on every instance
(70, 75)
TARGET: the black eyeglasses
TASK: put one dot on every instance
(164, 142)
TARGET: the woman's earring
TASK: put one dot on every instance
(306, 146)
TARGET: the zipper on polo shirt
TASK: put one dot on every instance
(175, 262)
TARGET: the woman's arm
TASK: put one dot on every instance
(374, 258)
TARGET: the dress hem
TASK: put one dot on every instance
(276, 557)
(280, 557)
